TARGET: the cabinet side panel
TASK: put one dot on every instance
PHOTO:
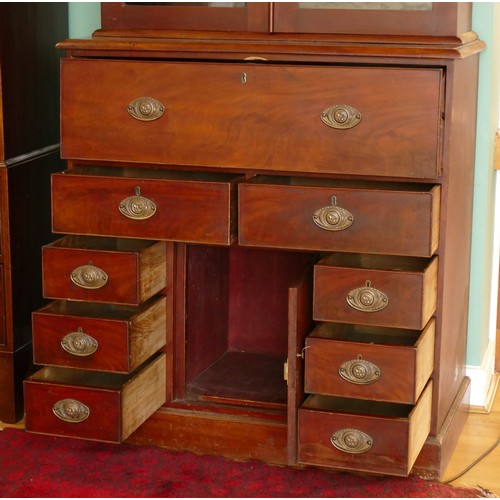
(455, 238)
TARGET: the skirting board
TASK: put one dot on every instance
(484, 382)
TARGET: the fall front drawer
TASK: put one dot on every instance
(397, 292)
(98, 269)
(373, 363)
(93, 405)
(382, 121)
(145, 203)
(345, 216)
(101, 337)
(383, 438)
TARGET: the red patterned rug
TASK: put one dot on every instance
(42, 466)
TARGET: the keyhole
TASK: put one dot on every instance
(243, 78)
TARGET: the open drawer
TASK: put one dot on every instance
(145, 203)
(396, 292)
(373, 363)
(101, 337)
(115, 270)
(383, 438)
(343, 216)
(92, 405)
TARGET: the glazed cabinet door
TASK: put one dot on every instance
(216, 16)
(367, 18)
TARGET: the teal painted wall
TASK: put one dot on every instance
(486, 17)
(84, 18)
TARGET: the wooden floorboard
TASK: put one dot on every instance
(481, 431)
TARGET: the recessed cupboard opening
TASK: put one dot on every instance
(236, 326)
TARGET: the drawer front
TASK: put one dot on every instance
(362, 442)
(96, 337)
(380, 221)
(102, 407)
(396, 370)
(391, 298)
(184, 210)
(124, 277)
(207, 114)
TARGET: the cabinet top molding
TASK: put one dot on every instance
(269, 47)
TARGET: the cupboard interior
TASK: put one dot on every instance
(236, 326)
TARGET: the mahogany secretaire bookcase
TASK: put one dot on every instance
(29, 153)
(264, 233)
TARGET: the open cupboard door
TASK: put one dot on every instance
(299, 325)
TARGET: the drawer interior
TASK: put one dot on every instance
(95, 310)
(365, 334)
(84, 378)
(151, 173)
(381, 262)
(101, 243)
(236, 324)
(276, 180)
(357, 406)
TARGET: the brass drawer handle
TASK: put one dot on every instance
(71, 410)
(79, 343)
(89, 277)
(137, 207)
(351, 441)
(332, 217)
(341, 116)
(367, 299)
(146, 109)
(358, 371)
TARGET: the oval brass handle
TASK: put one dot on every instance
(351, 441)
(71, 410)
(341, 116)
(89, 277)
(367, 299)
(358, 371)
(137, 207)
(146, 109)
(332, 217)
(79, 343)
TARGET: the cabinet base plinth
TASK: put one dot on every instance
(206, 433)
(435, 455)
(244, 438)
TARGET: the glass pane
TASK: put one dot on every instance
(189, 4)
(367, 5)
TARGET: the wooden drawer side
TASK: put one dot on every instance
(153, 277)
(420, 425)
(429, 291)
(143, 395)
